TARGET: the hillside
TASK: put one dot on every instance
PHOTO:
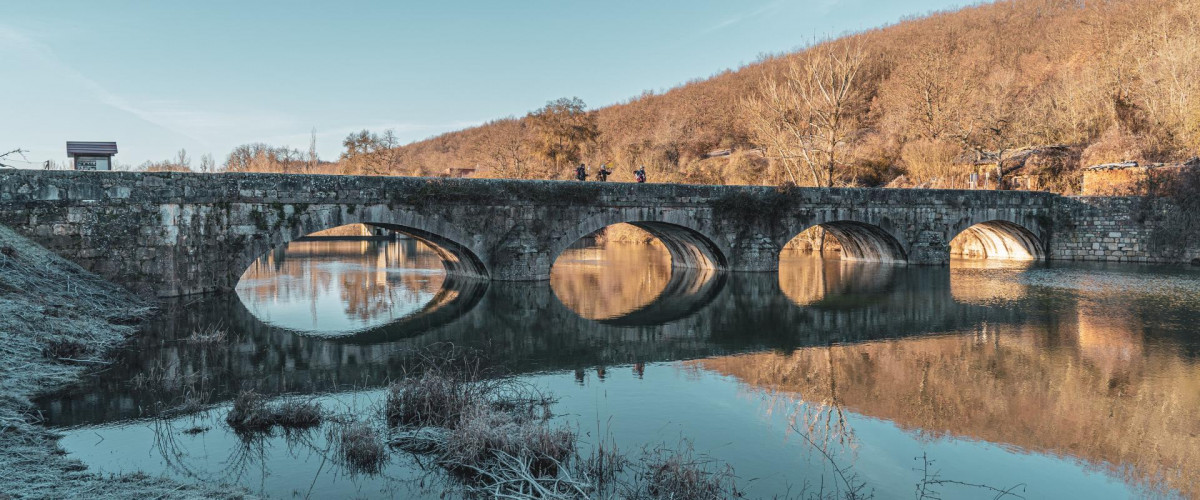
(930, 99)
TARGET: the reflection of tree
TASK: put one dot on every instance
(359, 270)
(821, 419)
(1097, 393)
(611, 280)
(807, 278)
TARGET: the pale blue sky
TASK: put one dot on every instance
(156, 76)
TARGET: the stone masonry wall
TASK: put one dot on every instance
(169, 234)
(1108, 229)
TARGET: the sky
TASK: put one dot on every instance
(158, 76)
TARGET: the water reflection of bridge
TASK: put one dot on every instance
(526, 328)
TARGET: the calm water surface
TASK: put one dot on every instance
(1075, 381)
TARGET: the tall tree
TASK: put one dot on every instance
(506, 149)
(564, 130)
(808, 119)
(368, 153)
(313, 159)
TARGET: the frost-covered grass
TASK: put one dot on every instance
(56, 319)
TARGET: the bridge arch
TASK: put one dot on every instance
(279, 224)
(678, 231)
(860, 241)
(997, 239)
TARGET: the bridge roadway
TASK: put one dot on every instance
(173, 234)
(525, 328)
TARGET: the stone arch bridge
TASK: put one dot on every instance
(172, 234)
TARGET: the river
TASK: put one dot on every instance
(1058, 380)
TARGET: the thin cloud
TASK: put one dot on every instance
(743, 16)
(177, 117)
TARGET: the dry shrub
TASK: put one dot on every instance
(491, 432)
(928, 161)
(252, 413)
(747, 168)
(249, 412)
(484, 432)
(362, 447)
(682, 474)
(1056, 169)
(1115, 146)
(434, 399)
(296, 414)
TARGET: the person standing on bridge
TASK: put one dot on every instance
(603, 173)
(581, 172)
(640, 173)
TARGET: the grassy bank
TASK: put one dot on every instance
(56, 321)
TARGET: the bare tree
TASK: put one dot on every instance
(993, 126)
(313, 160)
(8, 155)
(183, 160)
(259, 157)
(207, 165)
(808, 119)
(372, 154)
(507, 150)
(180, 163)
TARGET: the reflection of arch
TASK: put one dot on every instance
(997, 239)
(369, 295)
(456, 298)
(861, 241)
(689, 247)
(689, 291)
(809, 281)
(444, 237)
(519, 323)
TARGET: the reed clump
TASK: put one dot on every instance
(492, 433)
(680, 473)
(252, 413)
(363, 447)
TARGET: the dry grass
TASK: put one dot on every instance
(492, 433)
(252, 413)
(362, 447)
(435, 398)
(51, 309)
(680, 473)
(483, 433)
(603, 466)
(211, 334)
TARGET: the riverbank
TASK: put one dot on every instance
(56, 321)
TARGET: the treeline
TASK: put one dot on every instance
(1024, 88)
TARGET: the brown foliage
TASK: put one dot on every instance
(991, 80)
